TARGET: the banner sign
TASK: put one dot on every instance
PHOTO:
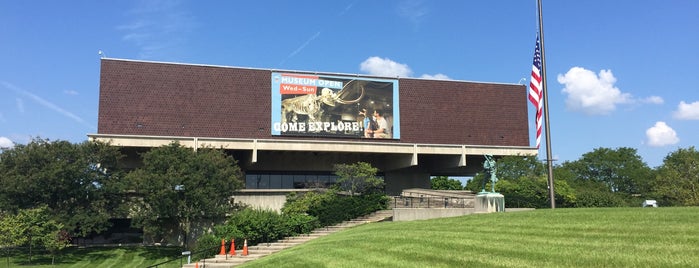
(337, 106)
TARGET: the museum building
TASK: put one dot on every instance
(288, 128)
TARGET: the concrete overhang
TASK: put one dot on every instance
(290, 145)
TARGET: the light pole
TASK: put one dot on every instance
(180, 194)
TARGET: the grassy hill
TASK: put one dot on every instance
(599, 237)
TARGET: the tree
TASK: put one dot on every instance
(33, 227)
(532, 192)
(677, 181)
(359, 178)
(79, 183)
(445, 183)
(180, 185)
(621, 169)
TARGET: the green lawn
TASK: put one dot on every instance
(600, 237)
(607, 237)
(96, 257)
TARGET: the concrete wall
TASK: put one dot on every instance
(271, 199)
(411, 214)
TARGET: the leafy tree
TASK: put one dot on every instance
(677, 181)
(621, 169)
(33, 227)
(359, 178)
(177, 184)
(445, 183)
(533, 192)
(510, 168)
(79, 183)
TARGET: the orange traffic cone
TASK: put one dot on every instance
(223, 247)
(232, 252)
(245, 248)
(196, 265)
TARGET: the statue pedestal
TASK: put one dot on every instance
(487, 202)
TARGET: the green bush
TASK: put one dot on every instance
(206, 246)
(599, 199)
(263, 226)
(295, 224)
(331, 208)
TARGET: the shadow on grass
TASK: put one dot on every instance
(90, 255)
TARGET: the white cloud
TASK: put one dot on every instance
(687, 111)
(661, 134)
(435, 77)
(6, 143)
(384, 67)
(590, 93)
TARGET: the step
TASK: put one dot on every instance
(265, 249)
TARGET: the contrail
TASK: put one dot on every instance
(305, 44)
(46, 103)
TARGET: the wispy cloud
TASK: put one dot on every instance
(299, 49)
(157, 28)
(47, 104)
(71, 92)
(316, 35)
(413, 10)
(20, 105)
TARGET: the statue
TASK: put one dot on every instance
(490, 170)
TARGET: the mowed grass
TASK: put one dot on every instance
(96, 257)
(598, 237)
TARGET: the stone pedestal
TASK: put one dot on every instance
(487, 202)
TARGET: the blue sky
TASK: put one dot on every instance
(620, 73)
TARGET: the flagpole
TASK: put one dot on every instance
(547, 124)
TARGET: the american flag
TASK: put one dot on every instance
(536, 91)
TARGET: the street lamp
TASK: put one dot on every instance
(180, 190)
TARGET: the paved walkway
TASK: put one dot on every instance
(264, 249)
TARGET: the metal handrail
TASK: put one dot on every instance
(181, 257)
(431, 202)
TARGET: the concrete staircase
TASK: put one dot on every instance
(264, 249)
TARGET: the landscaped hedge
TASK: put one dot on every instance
(332, 208)
(301, 214)
(258, 226)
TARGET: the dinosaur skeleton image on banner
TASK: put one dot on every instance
(341, 106)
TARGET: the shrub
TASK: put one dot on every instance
(264, 226)
(331, 208)
(206, 245)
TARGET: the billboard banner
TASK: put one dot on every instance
(335, 106)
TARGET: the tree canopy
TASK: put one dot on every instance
(358, 178)
(677, 181)
(621, 169)
(79, 183)
(445, 183)
(178, 184)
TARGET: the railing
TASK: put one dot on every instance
(189, 255)
(431, 202)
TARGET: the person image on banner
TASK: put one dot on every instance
(382, 131)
